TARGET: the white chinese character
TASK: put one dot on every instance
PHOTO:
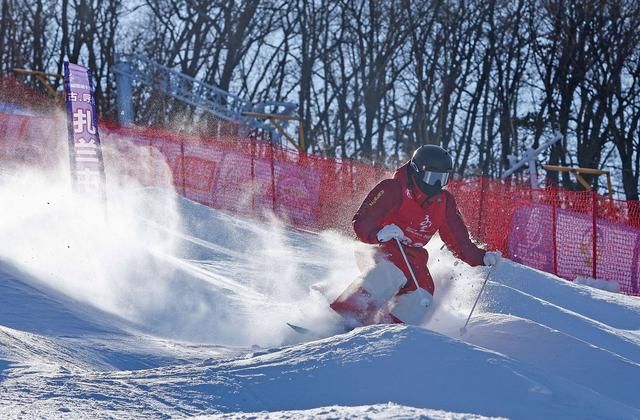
(84, 143)
(87, 159)
(86, 150)
(86, 97)
(82, 120)
(88, 179)
(72, 97)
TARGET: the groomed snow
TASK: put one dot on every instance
(169, 308)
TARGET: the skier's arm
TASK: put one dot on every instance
(455, 235)
(383, 199)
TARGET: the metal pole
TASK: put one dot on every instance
(480, 231)
(184, 182)
(413, 276)
(124, 90)
(351, 178)
(464, 329)
(533, 173)
(594, 210)
(273, 178)
(554, 227)
(253, 176)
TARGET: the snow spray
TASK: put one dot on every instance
(54, 235)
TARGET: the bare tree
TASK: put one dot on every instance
(375, 79)
(616, 86)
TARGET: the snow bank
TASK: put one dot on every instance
(388, 411)
(410, 366)
(611, 286)
(174, 309)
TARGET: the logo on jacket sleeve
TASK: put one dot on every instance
(376, 198)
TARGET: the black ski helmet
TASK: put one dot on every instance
(429, 159)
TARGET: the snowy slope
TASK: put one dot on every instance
(169, 308)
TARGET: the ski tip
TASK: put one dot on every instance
(299, 329)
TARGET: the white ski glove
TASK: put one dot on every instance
(492, 258)
(390, 232)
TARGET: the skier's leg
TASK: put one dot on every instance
(411, 303)
(363, 298)
(417, 257)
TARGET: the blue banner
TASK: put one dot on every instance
(85, 154)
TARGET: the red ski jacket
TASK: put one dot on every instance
(399, 201)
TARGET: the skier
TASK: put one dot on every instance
(401, 215)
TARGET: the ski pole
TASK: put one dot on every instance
(413, 276)
(464, 329)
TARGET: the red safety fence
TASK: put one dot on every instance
(568, 233)
(29, 140)
(257, 178)
(14, 93)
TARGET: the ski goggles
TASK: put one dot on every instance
(431, 178)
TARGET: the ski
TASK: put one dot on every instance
(340, 329)
(301, 330)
